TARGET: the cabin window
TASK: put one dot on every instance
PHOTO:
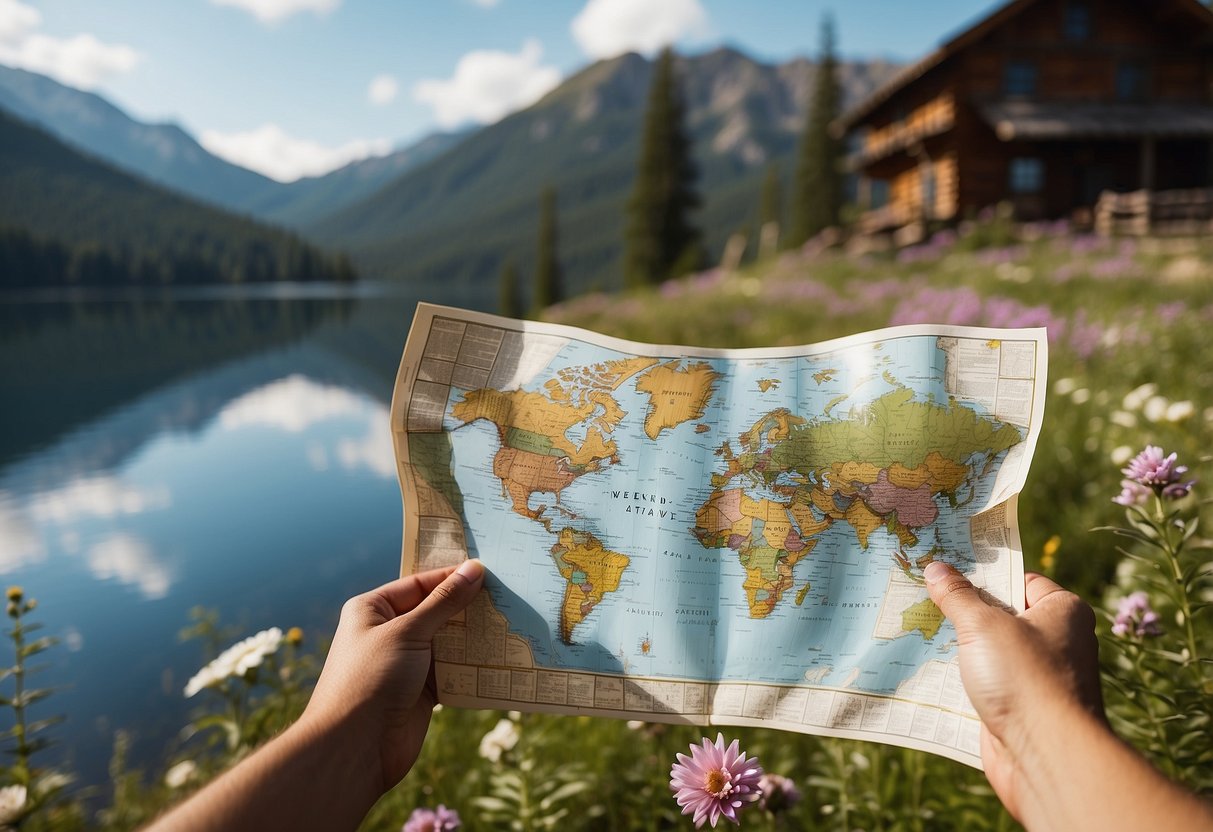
(1020, 78)
(1027, 175)
(1076, 25)
(1130, 82)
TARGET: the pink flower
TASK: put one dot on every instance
(1151, 468)
(1132, 494)
(1135, 617)
(779, 793)
(715, 781)
(441, 819)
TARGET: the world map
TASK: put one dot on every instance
(716, 537)
(732, 516)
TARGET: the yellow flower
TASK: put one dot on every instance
(14, 594)
(1048, 552)
(294, 636)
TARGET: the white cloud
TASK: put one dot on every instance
(79, 61)
(269, 150)
(373, 451)
(487, 85)
(130, 560)
(605, 28)
(17, 20)
(98, 496)
(382, 90)
(20, 543)
(292, 404)
(273, 11)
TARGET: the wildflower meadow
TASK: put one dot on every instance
(1115, 509)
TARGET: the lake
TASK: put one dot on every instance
(217, 448)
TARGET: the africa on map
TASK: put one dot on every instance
(709, 536)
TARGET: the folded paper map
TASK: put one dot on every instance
(717, 537)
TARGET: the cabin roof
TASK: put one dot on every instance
(957, 43)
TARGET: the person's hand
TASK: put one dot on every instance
(378, 680)
(1013, 666)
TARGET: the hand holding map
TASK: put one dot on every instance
(716, 536)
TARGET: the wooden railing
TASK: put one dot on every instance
(1155, 212)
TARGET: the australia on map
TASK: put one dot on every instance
(716, 536)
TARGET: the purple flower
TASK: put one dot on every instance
(1178, 490)
(441, 819)
(1135, 617)
(1150, 468)
(1132, 493)
(779, 793)
(715, 781)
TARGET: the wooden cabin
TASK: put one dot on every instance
(1044, 104)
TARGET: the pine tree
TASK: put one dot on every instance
(817, 195)
(548, 289)
(508, 302)
(660, 241)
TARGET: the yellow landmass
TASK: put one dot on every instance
(864, 520)
(765, 384)
(802, 592)
(809, 525)
(849, 472)
(539, 414)
(606, 375)
(776, 426)
(758, 583)
(591, 572)
(824, 375)
(824, 501)
(923, 616)
(676, 394)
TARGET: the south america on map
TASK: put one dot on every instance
(714, 536)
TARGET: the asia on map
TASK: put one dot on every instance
(723, 537)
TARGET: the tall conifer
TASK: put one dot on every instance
(548, 288)
(817, 193)
(660, 240)
(509, 303)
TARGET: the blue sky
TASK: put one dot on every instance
(297, 87)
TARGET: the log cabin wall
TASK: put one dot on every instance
(936, 136)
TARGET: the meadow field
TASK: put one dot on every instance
(1130, 325)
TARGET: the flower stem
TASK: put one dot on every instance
(1160, 731)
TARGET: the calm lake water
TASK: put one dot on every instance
(208, 448)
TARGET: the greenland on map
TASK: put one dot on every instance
(732, 537)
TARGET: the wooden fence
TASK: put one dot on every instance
(1155, 212)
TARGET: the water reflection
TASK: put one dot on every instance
(234, 455)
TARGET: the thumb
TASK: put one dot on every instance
(955, 596)
(446, 600)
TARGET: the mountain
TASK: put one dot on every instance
(312, 198)
(162, 153)
(69, 218)
(167, 155)
(457, 219)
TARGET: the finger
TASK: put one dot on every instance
(1036, 587)
(447, 598)
(405, 593)
(955, 596)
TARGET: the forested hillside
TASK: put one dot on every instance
(69, 219)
